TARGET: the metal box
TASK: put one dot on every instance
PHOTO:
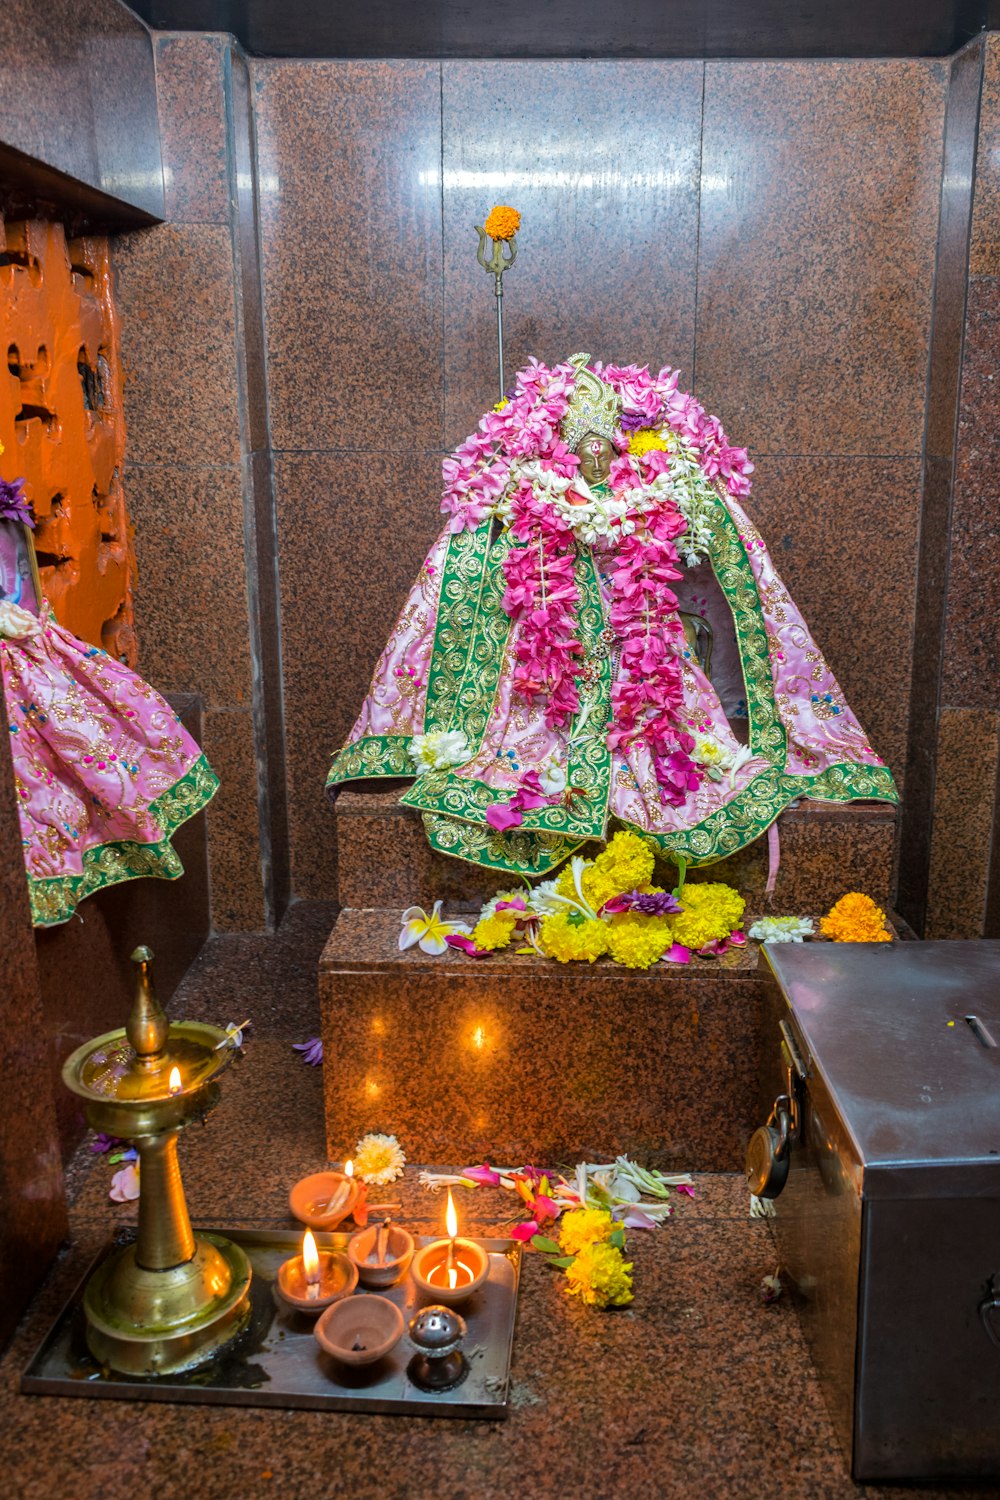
(889, 1224)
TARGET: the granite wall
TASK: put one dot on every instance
(197, 475)
(964, 875)
(769, 227)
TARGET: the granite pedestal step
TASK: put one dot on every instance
(515, 1058)
(384, 859)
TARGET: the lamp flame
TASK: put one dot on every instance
(310, 1257)
(175, 1080)
(348, 1169)
(451, 1218)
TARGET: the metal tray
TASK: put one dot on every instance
(277, 1362)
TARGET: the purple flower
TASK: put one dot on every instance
(312, 1051)
(632, 421)
(103, 1143)
(13, 504)
(656, 904)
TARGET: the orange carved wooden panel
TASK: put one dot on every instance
(62, 427)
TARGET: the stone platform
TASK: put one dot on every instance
(514, 1058)
(384, 859)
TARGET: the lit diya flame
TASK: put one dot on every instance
(348, 1169)
(310, 1263)
(175, 1081)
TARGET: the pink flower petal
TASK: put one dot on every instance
(677, 954)
(466, 945)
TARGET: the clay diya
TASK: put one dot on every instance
(313, 1280)
(382, 1253)
(323, 1199)
(360, 1330)
(449, 1271)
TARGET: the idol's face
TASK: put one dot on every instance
(595, 454)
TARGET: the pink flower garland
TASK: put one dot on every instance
(541, 591)
(542, 594)
(477, 473)
(648, 691)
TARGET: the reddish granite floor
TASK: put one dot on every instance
(698, 1389)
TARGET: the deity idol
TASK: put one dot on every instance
(104, 771)
(599, 634)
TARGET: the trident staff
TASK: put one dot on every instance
(502, 224)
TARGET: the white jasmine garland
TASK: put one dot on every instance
(782, 930)
(438, 750)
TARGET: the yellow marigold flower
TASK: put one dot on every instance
(569, 936)
(600, 1276)
(583, 1226)
(495, 931)
(637, 941)
(711, 911)
(646, 440)
(855, 919)
(502, 222)
(501, 405)
(625, 865)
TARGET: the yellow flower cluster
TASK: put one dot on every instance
(636, 941)
(648, 440)
(378, 1159)
(502, 222)
(567, 936)
(580, 1227)
(855, 919)
(600, 1275)
(711, 911)
(495, 931)
(625, 865)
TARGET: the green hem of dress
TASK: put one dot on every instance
(54, 899)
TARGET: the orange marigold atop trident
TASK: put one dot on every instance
(855, 919)
(502, 222)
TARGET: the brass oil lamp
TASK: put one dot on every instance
(171, 1300)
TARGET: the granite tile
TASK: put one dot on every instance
(984, 245)
(963, 822)
(269, 704)
(384, 859)
(192, 113)
(353, 530)
(582, 149)
(191, 590)
(234, 858)
(819, 208)
(244, 185)
(349, 157)
(176, 303)
(957, 175)
(54, 63)
(843, 536)
(916, 813)
(32, 1200)
(501, 1059)
(972, 635)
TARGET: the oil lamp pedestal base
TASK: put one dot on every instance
(146, 1322)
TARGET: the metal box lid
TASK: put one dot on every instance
(906, 1037)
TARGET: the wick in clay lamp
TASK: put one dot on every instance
(171, 1300)
(323, 1199)
(360, 1330)
(382, 1253)
(450, 1270)
(311, 1281)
